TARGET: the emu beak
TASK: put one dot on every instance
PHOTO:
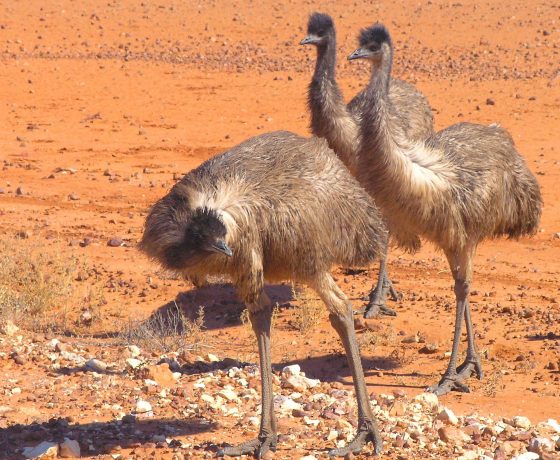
(360, 53)
(221, 246)
(310, 40)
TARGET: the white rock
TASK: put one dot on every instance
(294, 370)
(308, 457)
(134, 351)
(520, 421)
(96, 365)
(447, 416)
(541, 444)
(285, 404)
(133, 363)
(553, 424)
(44, 451)
(527, 456)
(8, 328)
(428, 400)
(229, 394)
(143, 407)
(69, 449)
(296, 382)
(311, 422)
(469, 455)
(212, 358)
(332, 436)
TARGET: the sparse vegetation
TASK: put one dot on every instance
(309, 310)
(168, 330)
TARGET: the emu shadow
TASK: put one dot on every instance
(103, 436)
(222, 308)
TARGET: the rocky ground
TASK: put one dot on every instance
(106, 104)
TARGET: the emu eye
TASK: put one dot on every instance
(374, 47)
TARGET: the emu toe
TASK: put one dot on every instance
(366, 433)
(449, 383)
(471, 366)
(376, 309)
(257, 447)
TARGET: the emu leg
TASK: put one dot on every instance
(377, 297)
(342, 321)
(451, 381)
(472, 364)
(261, 320)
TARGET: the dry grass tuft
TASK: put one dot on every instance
(166, 331)
(309, 311)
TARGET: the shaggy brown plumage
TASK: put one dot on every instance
(276, 207)
(410, 116)
(462, 185)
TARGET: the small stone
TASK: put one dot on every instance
(133, 363)
(74, 197)
(490, 101)
(115, 242)
(143, 407)
(161, 374)
(453, 435)
(229, 394)
(429, 349)
(293, 370)
(520, 421)
(44, 451)
(398, 409)
(20, 191)
(95, 365)
(540, 445)
(134, 351)
(212, 358)
(69, 449)
(8, 328)
(86, 317)
(428, 400)
(527, 456)
(447, 416)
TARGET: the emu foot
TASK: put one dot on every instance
(374, 310)
(367, 432)
(449, 382)
(257, 447)
(471, 366)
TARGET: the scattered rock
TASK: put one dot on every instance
(143, 407)
(527, 456)
(69, 449)
(447, 416)
(520, 421)
(44, 451)
(490, 101)
(115, 242)
(95, 365)
(453, 435)
(428, 400)
(429, 348)
(161, 374)
(133, 363)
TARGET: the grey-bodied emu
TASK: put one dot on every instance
(462, 185)
(411, 117)
(276, 207)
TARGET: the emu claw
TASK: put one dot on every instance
(374, 310)
(449, 383)
(257, 447)
(366, 432)
(471, 366)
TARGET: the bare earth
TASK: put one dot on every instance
(105, 104)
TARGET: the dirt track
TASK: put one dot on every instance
(133, 96)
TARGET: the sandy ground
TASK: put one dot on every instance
(133, 95)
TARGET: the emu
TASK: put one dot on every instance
(462, 185)
(276, 207)
(339, 123)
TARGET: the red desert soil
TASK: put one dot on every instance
(131, 95)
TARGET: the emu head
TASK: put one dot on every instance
(206, 233)
(180, 237)
(320, 29)
(375, 41)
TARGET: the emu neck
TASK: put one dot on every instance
(325, 67)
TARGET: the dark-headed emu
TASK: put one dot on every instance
(459, 187)
(276, 207)
(410, 115)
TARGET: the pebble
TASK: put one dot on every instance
(520, 421)
(453, 435)
(133, 363)
(44, 451)
(143, 407)
(428, 400)
(447, 416)
(161, 374)
(95, 365)
(69, 449)
(527, 456)
(115, 242)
